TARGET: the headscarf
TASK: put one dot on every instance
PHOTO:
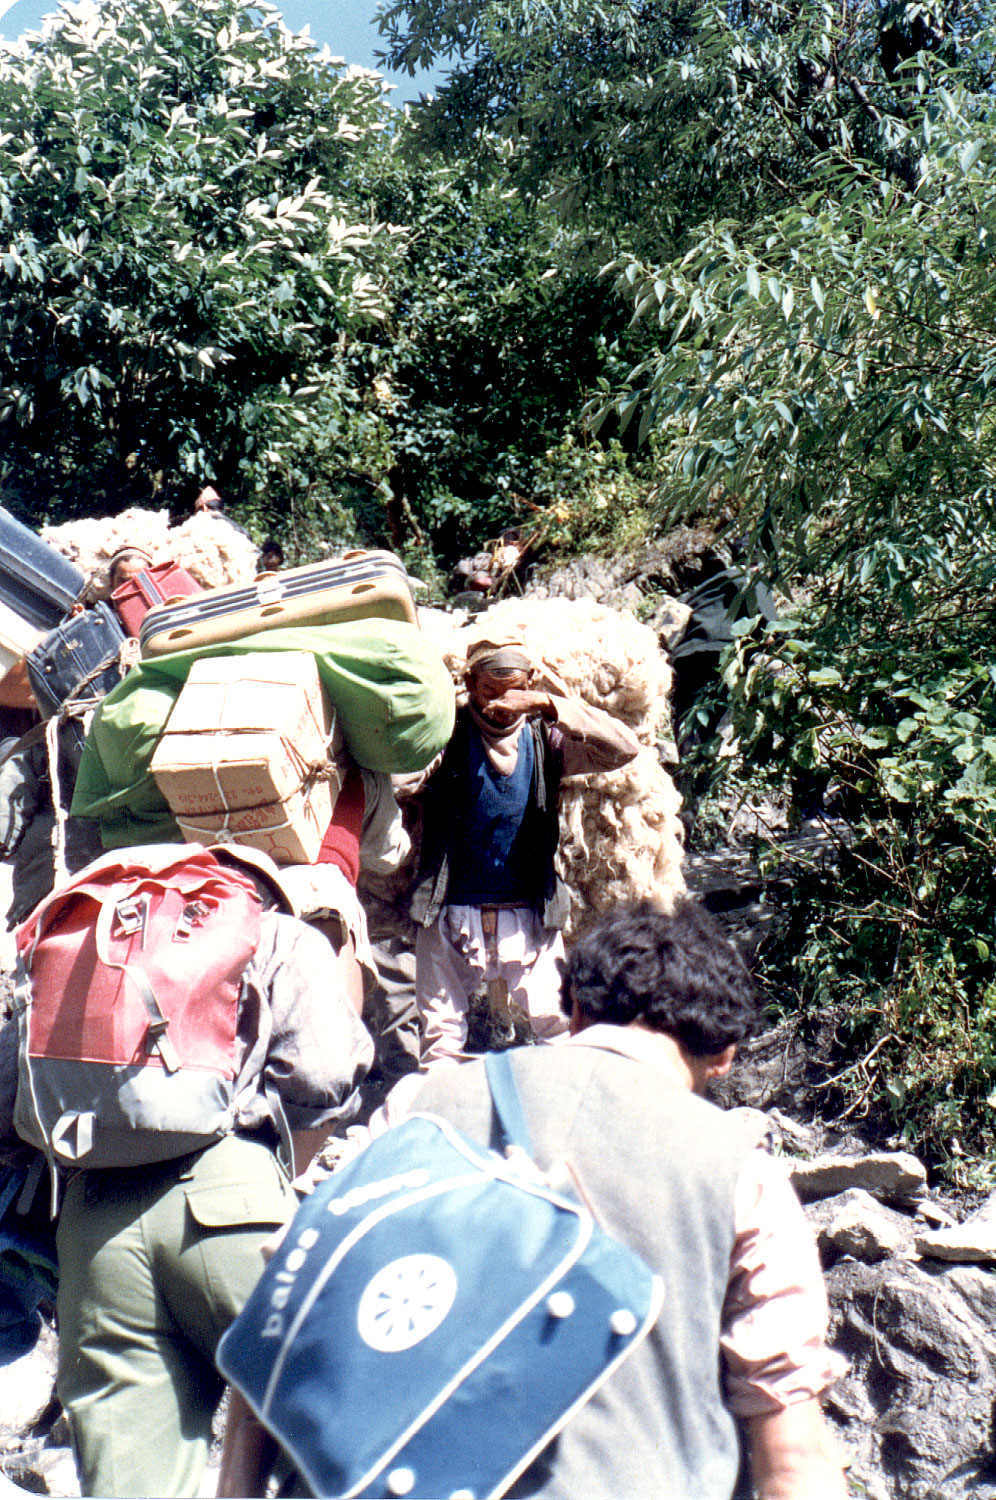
(505, 650)
(499, 648)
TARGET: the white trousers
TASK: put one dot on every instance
(452, 961)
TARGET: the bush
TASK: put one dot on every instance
(896, 944)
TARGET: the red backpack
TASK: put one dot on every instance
(127, 1002)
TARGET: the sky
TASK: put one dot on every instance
(346, 25)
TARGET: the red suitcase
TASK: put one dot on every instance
(159, 583)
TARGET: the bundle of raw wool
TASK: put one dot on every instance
(212, 548)
(621, 835)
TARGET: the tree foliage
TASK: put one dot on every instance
(187, 249)
(797, 201)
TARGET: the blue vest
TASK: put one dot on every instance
(490, 855)
(444, 793)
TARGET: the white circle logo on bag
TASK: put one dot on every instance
(405, 1301)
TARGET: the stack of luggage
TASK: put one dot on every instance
(37, 587)
(286, 658)
(249, 755)
(227, 714)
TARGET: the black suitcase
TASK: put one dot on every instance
(79, 660)
(36, 582)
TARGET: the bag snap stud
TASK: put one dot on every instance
(623, 1322)
(560, 1304)
(400, 1481)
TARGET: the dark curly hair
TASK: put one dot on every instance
(677, 973)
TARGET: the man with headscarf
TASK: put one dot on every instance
(487, 900)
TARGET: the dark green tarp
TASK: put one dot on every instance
(388, 683)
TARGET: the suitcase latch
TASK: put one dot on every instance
(269, 591)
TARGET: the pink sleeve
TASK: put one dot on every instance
(775, 1315)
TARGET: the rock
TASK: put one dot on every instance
(975, 1287)
(895, 1176)
(27, 1383)
(669, 619)
(610, 581)
(856, 1224)
(40, 1470)
(915, 1410)
(753, 1126)
(985, 1213)
(934, 1214)
(772, 1069)
(975, 1240)
(805, 1139)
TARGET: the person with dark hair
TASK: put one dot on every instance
(658, 1003)
(209, 502)
(271, 556)
(207, 498)
(638, 967)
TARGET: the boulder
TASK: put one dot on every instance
(856, 1224)
(669, 618)
(976, 1288)
(770, 1070)
(975, 1240)
(27, 1384)
(753, 1126)
(915, 1411)
(895, 1176)
(800, 1139)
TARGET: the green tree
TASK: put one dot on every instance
(488, 353)
(797, 202)
(188, 251)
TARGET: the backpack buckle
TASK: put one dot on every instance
(132, 914)
(192, 913)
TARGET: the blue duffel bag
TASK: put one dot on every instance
(435, 1315)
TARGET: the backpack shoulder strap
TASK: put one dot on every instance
(507, 1102)
(159, 1040)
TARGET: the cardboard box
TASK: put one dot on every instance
(244, 735)
(291, 831)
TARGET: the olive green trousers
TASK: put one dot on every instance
(154, 1263)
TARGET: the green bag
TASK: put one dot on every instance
(388, 683)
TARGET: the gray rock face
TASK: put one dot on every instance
(34, 1455)
(894, 1176)
(669, 619)
(608, 580)
(915, 1413)
(753, 1125)
(27, 1383)
(772, 1069)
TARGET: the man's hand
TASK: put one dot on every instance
(516, 701)
(248, 1453)
(793, 1455)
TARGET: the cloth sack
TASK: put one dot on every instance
(388, 684)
